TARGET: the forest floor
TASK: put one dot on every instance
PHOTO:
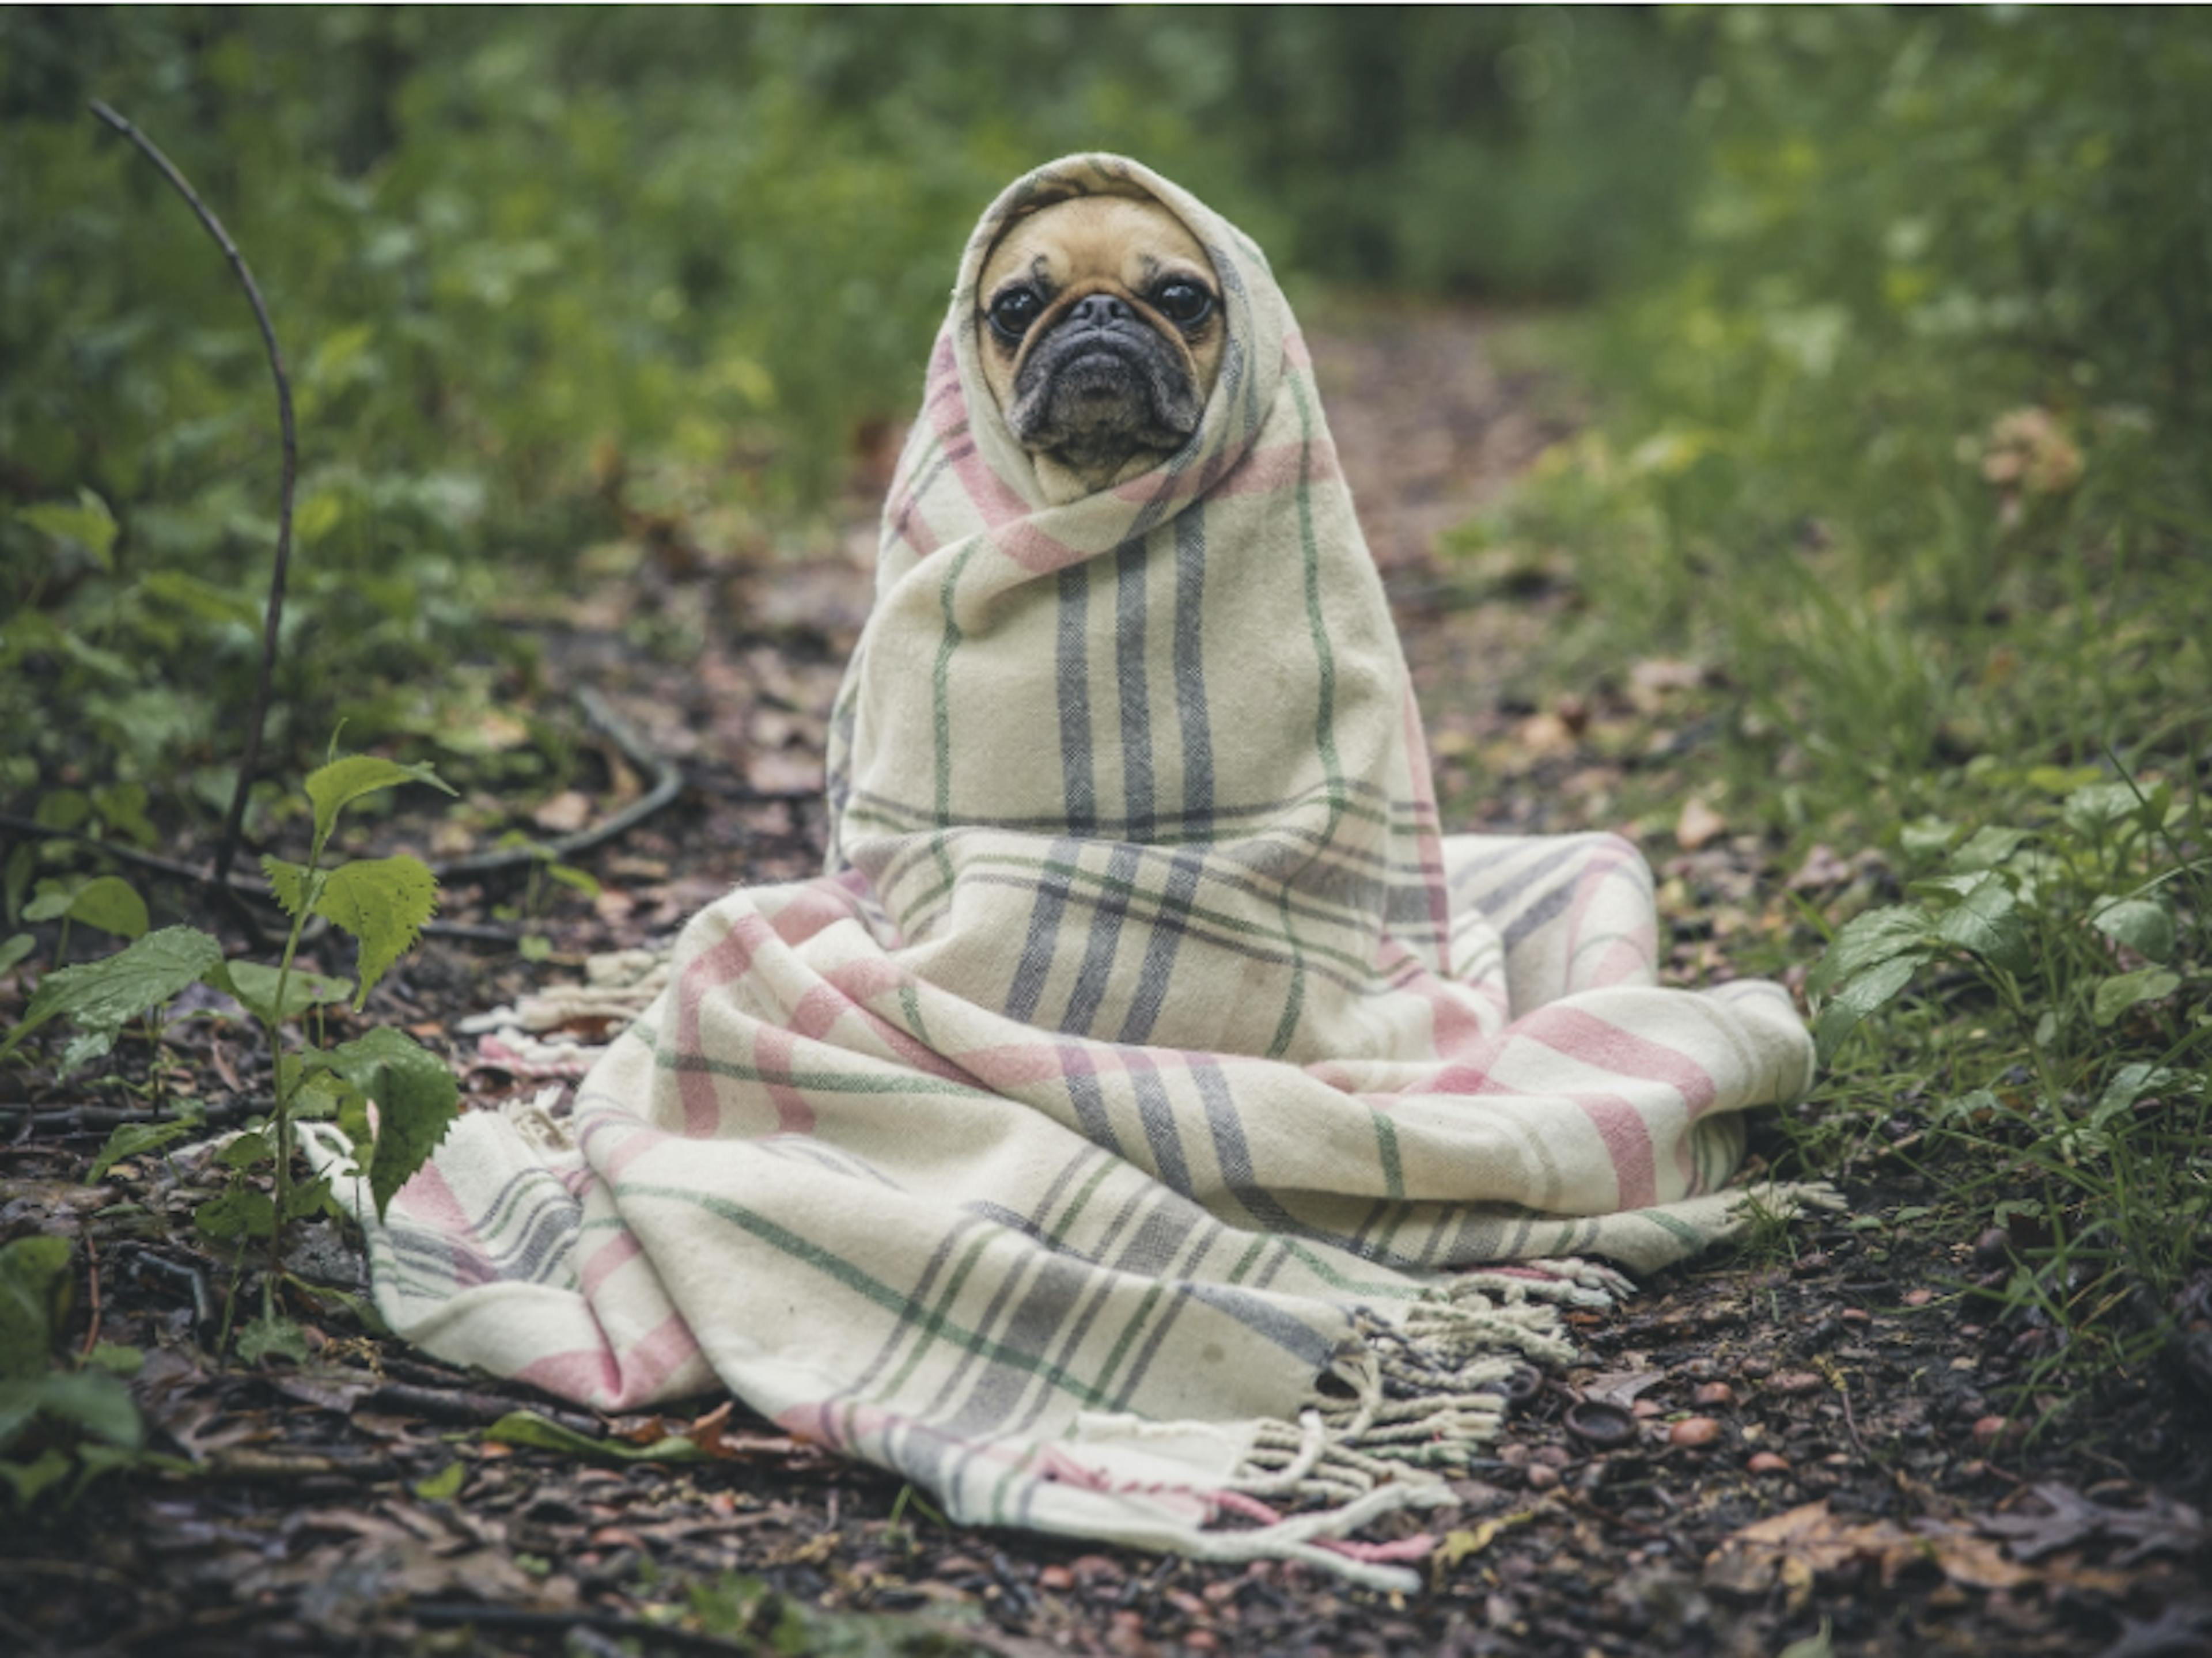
(1808, 1447)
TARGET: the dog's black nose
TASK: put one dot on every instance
(1100, 311)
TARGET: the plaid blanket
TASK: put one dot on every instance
(1152, 1127)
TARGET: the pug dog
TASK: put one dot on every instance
(1099, 319)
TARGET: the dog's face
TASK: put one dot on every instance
(1101, 333)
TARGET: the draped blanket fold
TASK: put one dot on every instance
(1104, 1141)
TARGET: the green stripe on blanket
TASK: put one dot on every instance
(1052, 1146)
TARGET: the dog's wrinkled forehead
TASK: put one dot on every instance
(1131, 242)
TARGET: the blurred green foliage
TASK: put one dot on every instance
(1910, 432)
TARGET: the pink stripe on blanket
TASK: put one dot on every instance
(1627, 1140)
(708, 971)
(1586, 1037)
(616, 1251)
(1454, 1027)
(772, 1052)
(610, 1381)
(818, 904)
(1627, 959)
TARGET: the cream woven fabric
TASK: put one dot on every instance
(1147, 1053)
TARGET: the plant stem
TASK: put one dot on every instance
(250, 762)
(285, 1087)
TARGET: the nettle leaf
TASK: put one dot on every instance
(135, 1139)
(240, 1212)
(270, 1335)
(101, 996)
(416, 1100)
(2116, 995)
(112, 904)
(1862, 996)
(1988, 922)
(2144, 926)
(1876, 936)
(254, 987)
(382, 901)
(17, 948)
(248, 1150)
(295, 885)
(336, 785)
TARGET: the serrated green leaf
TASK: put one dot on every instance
(2141, 924)
(112, 904)
(1988, 923)
(17, 948)
(307, 1197)
(331, 788)
(1866, 939)
(271, 1334)
(135, 1139)
(383, 902)
(2116, 995)
(254, 987)
(246, 1149)
(416, 1098)
(240, 1212)
(1862, 996)
(34, 1295)
(297, 887)
(88, 524)
(101, 996)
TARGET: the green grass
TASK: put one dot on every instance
(2006, 693)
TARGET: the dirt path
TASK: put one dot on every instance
(1754, 1450)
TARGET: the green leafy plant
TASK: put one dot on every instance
(2080, 1120)
(545, 867)
(60, 1428)
(382, 903)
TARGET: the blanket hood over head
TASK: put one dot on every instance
(1162, 734)
(1147, 1052)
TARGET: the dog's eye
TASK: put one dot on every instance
(1013, 311)
(1183, 303)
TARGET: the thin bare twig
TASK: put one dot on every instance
(250, 762)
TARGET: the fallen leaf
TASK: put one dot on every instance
(1698, 826)
(565, 813)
